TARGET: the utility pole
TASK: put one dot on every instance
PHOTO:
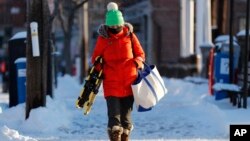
(36, 83)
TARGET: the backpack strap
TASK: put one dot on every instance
(132, 44)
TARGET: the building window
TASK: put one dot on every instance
(242, 23)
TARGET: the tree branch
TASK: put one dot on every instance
(55, 12)
(60, 17)
(80, 5)
(77, 7)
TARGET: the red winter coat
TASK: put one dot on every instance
(120, 60)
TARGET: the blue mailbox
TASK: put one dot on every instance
(21, 79)
(221, 65)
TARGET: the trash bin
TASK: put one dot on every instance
(21, 79)
(16, 49)
(221, 65)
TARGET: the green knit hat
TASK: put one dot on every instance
(113, 15)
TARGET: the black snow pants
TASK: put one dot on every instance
(119, 111)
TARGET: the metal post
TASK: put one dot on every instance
(231, 49)
(246, 57)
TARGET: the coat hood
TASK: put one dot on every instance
(103, 30)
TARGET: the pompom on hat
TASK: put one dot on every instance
(113, 16)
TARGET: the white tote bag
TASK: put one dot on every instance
(148, 88)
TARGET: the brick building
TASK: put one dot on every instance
(221, 13)
(12, 17)
(12, 13)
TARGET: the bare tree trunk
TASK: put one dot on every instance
(67, 52)
(47, 22)
(71, 9)
(37, 11)
(84, 46)
(84, 63)
(47, 65)
(49, 69)
(45, 48)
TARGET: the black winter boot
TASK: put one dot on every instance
(115, 133)
(125, 135)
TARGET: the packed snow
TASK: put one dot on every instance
(186, 113)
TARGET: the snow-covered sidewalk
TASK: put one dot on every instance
(186, 113)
